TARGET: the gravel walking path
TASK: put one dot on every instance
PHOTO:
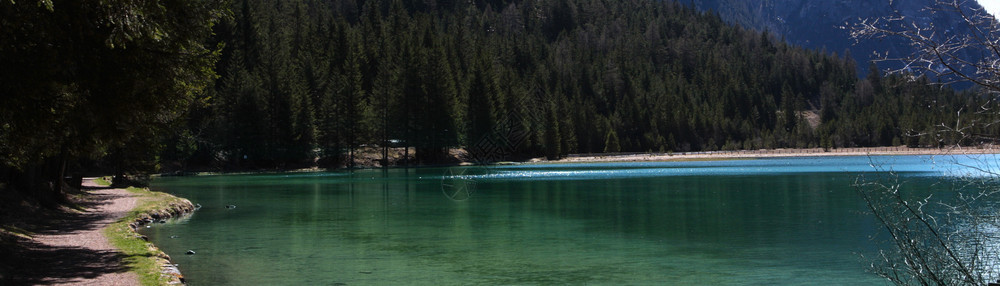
(74, 251)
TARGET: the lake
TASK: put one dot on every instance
(762, 221)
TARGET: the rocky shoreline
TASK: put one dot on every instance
(175, 209)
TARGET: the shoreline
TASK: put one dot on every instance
(168, 269)
(771, 153)
(652, 157)
(150, 263)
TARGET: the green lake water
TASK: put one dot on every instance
(766, 221)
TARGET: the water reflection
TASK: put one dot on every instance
(775, 221)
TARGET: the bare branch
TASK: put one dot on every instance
(969, 53)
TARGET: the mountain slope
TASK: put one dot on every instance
(826, 24)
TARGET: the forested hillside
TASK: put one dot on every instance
(306, 79)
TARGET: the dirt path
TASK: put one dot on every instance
(74, 251)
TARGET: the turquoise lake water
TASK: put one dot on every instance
(759, 222)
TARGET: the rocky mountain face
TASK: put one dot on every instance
(826, 24)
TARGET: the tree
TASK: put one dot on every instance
(943, 51)
(935, 241)
(83, 79)
(480, 117)
(352, 102)
(438, 129)
(929, 246)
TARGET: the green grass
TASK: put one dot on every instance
(138, 256)
(102, 181)
(15, 231)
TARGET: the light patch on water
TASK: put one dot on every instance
(951, 165)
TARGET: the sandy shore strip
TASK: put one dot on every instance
(768, 153)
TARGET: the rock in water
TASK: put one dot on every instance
(190, 252)
(231, 206)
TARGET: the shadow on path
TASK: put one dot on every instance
(42, 264)
(68, 245)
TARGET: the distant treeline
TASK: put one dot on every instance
(310, 79)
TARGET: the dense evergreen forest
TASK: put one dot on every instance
(266, 84)
(307, 79)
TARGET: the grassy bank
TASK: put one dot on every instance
(103, 181)
(140, 256)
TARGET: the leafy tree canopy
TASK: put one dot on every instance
(82, 79)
